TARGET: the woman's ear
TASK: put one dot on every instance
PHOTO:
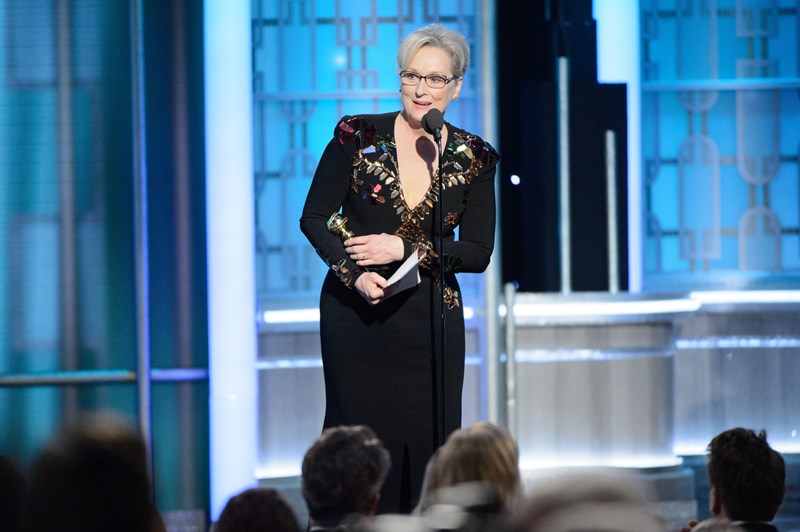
(458, 88)
(714, 504)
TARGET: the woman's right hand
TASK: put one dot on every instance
(373, 250)
(370, 285)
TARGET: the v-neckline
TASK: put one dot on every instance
(434, 177)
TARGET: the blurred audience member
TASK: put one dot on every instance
(343, 472)
(92, 477)
(714, 525)
(257, 510)
(585, 501)
(398, 523)
(474, 477)
(13, 489)
(747, 480)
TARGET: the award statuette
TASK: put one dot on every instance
(337, 224)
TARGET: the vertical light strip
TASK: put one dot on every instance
(67, 227)
(491, 288)
(230, 233)
(510, 292)
(611, 209)
(141, 230)
(618, 62)
(564, 215)
(183, 257)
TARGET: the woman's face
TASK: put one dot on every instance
(420, 98)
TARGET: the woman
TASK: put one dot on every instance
(481, 453)
(257, 509)
(382, 172)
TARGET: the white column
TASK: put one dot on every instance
(230, 240)
(618, 62)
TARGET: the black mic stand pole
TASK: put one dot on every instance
(441, 359)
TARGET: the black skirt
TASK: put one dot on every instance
(379, 371)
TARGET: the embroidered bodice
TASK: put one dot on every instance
(364, 150)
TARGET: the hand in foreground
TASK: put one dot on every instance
(689, 526)
(373, 250)
(370, 285)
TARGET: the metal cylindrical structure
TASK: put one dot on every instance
(593, 380)
(611, 211)
(67, 223)
(495, 410)
(564, 223)
(141, 227)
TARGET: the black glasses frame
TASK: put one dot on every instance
(425, 78)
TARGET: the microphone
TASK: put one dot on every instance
(433, 122)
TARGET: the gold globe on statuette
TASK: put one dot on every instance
(337, 224)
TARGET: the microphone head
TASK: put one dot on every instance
(433, 121)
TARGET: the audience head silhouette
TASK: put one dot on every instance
(482, 453)
(592, 500)
(747, 477)
(92, 477)
(343, 472)
(257, 509)
(13, 489)
(715, 525)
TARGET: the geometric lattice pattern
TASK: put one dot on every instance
(312, 63)
(721, 134)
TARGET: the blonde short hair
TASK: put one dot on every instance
(482, 452)
(437, 36)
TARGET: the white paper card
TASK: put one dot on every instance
(406, 276)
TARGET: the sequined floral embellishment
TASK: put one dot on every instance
(357, 131)
(482, 151)
(452, 263)
(473, 148)
(451, 298)
(343, 272)
(451, 218)
(375, 193)
(356, 181)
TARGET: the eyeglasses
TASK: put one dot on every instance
(434, 81)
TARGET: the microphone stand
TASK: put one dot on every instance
(433, 122)
(441, 432)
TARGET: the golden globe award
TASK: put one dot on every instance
(337, 224)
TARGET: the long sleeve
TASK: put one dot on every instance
(471, 161)
(473, 249)
(325, 197)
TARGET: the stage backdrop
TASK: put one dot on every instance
(720, 141)
(314, 62)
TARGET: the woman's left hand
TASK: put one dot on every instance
(373, 250)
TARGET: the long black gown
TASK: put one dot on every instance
(377, 360)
